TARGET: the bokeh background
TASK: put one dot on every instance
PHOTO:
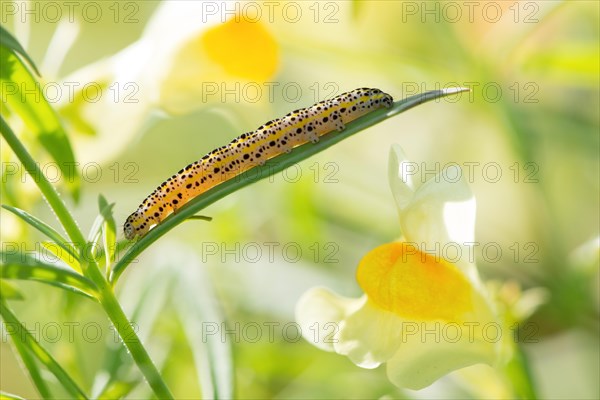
(178, 79)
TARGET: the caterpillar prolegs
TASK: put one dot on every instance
(251, 149)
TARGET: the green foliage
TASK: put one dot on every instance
(10, 291)
(7, 396)
(24, 97)
(17, 265)
(45, 229)
(11, 44)
(21, 266)
(547, 116)
(20, 334)
(214, 357)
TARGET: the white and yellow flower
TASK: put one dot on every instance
(421, 314)
(185, 60)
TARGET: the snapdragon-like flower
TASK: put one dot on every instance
(424, 311)
(186, 59)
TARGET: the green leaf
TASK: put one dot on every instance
(61, 255)
(45, 229)
(21, 337)
(49, 192)
(118, 389)
(195, 303)
(152, 293)
(200, 218)
(96, 228)
(10, 291)
(133, 342)
(272, 167)
(107, 298)
(109, 230)
(4, 395)
(23, 96)
(518, 372)
(119, 248)
(32, 368)
(10, 42)
(15, 265)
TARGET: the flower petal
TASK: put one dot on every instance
(442, 211)
(369, 336)
(226, 56)
(440, 220)
(415, 285)
(400, 171)
(438, 216)
(431, 350)
(243, 49)
(319, 313)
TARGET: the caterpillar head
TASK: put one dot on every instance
(384, 99)
(134, 226)
(387, 100)
(128, 228)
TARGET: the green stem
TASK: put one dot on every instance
(21, 336)
(133, 343)
(272, 167)
(48, 191)
(90, 267)
(519, 374)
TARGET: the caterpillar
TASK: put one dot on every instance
(251, 149)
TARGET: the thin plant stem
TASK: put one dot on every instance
(89, 266)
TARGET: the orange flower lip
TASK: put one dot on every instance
(407, 287)
(411, 284)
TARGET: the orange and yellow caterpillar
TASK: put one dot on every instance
(251, 149)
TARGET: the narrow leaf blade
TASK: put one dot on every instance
(20, 334)
(65, 257)
(118, 390)
(195, 304)
(10, 42)
(109, 230)
(273, 166)
(16, 265)
(96, 228)
(6, 396)
(44, 228)
(38, 115)
(32, 367)
(9, 291)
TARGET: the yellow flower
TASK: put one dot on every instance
(227, 56)
(421, 313)
(185, 59)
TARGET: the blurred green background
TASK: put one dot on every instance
(527, 137)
